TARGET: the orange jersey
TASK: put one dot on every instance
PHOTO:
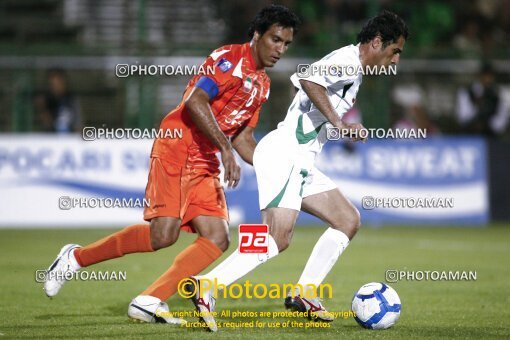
(237, 91)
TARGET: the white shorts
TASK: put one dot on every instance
(284, 176)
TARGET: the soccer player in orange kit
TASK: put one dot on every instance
(183, 188)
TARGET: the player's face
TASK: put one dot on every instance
(270, 46)
(389, 55)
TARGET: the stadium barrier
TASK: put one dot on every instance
(64, 181)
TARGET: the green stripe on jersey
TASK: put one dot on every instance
(303, 137)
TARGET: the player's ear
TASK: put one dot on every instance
(377, 43)
(256, 36)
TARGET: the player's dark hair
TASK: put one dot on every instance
(273, 14)
(386, 25)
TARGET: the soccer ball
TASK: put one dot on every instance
(376, 305)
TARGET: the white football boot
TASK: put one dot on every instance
(61, 270)
(205, 305)
(146, 308)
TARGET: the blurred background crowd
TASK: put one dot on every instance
(57, 61)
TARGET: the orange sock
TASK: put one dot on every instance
(191, 261)
(133, 239)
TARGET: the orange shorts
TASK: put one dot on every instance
(175, 191)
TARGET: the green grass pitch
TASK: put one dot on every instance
(431, 309)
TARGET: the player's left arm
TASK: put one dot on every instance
(244, 143)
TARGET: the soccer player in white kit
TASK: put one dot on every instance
(288, 180)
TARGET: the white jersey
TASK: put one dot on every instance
(304, 121)
(284, 159)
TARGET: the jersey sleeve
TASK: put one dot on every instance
(327, 72)
(218, 77)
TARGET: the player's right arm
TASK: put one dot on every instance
(318, 95)
(317, 85)
(197, 104)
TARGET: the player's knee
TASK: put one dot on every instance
(349, 223)
(353, 222)
(357, 222)
(161, 240)
(224, 243)
(221, 240)
(164, 232)
(163, 237)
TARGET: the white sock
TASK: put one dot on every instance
(237, 265)
(324, 255)
(74, 263)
